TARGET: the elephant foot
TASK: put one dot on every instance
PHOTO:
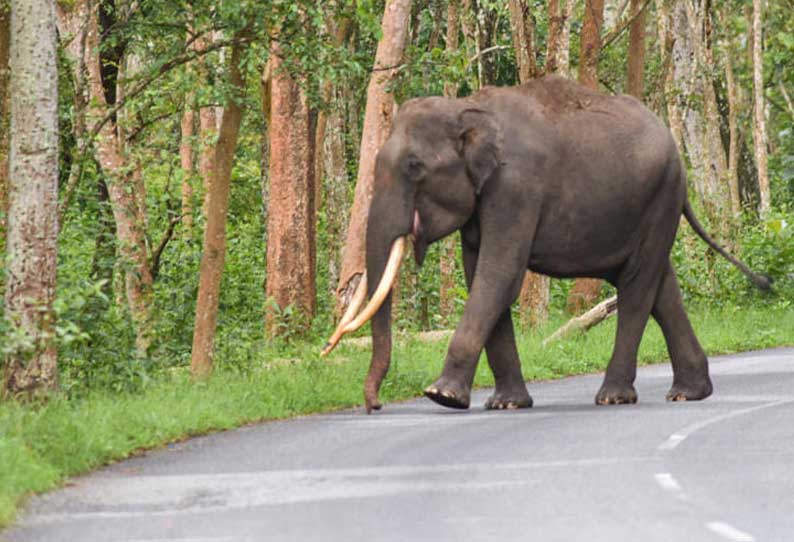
(449, 393)
(616, 394)
(509, 399)
(690, 392)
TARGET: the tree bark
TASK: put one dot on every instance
(694, 88)
(733, 133)
(5, 35)
(214, 253)
(377, 122)
(82, 24)
(291, 216)
(331, 173)
(591, 43)
(564, 48)
(208, 130)
(553, 44)
(534, 296)
(31, 366)
(665, 40)
(523, 31)
(447, 256)
(586, 291)
(188, 165)
(636, 61)
(582, 323)
(759, 120)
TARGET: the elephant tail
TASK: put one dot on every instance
(762, 281)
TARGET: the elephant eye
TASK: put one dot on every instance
(413, 168)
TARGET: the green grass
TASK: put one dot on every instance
(41, 446)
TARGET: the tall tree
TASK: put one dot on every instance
(377, 122)
(558, 41)
(591, 43)
(214, 253)
(186, 158)
(31, 363)
(759, 112)
(733, 127)
(187, 163)
(534, 296)
(208, 127)
(5, 35)
(586, 291)
(331, 175)
(693, 64)
(636, 59)
(447, 258)
(79, 22)
(291, 214)
(522, 29)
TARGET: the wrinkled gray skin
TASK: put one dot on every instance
(547, 176)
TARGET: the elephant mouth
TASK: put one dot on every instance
(418, 237)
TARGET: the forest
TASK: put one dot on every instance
(198, 202)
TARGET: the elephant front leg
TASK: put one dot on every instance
(495, 286)
(510, 390)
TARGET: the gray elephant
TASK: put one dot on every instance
(548, 176)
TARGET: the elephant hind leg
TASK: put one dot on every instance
(691, 381)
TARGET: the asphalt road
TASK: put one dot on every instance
(565, 470)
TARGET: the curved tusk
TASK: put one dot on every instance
(352, 309)
(384, 287)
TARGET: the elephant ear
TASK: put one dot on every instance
(480, 145)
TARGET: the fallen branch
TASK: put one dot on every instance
(582, 323)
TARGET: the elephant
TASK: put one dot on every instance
(549, 176)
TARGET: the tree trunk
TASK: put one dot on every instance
(553, 42)
(666, 42)
(31, 366)
(83, 25)
(534, 296)
(733, 133)
(214, 253)
(330, 177)
(636, 61)
(692, 66)
(188, 167)
(586, 291)
(564, 48)
(759, 120)
(5, 34)
(523, 31)
(377, 122)
(291, 217)
(447, 257)
(591, 43)
(208, 130)
(336, 188)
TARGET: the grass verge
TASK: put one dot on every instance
(42, 446)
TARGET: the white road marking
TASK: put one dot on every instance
(729, 532)
(667, 482)
(679, 436)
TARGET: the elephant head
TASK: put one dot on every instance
(438, 158)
